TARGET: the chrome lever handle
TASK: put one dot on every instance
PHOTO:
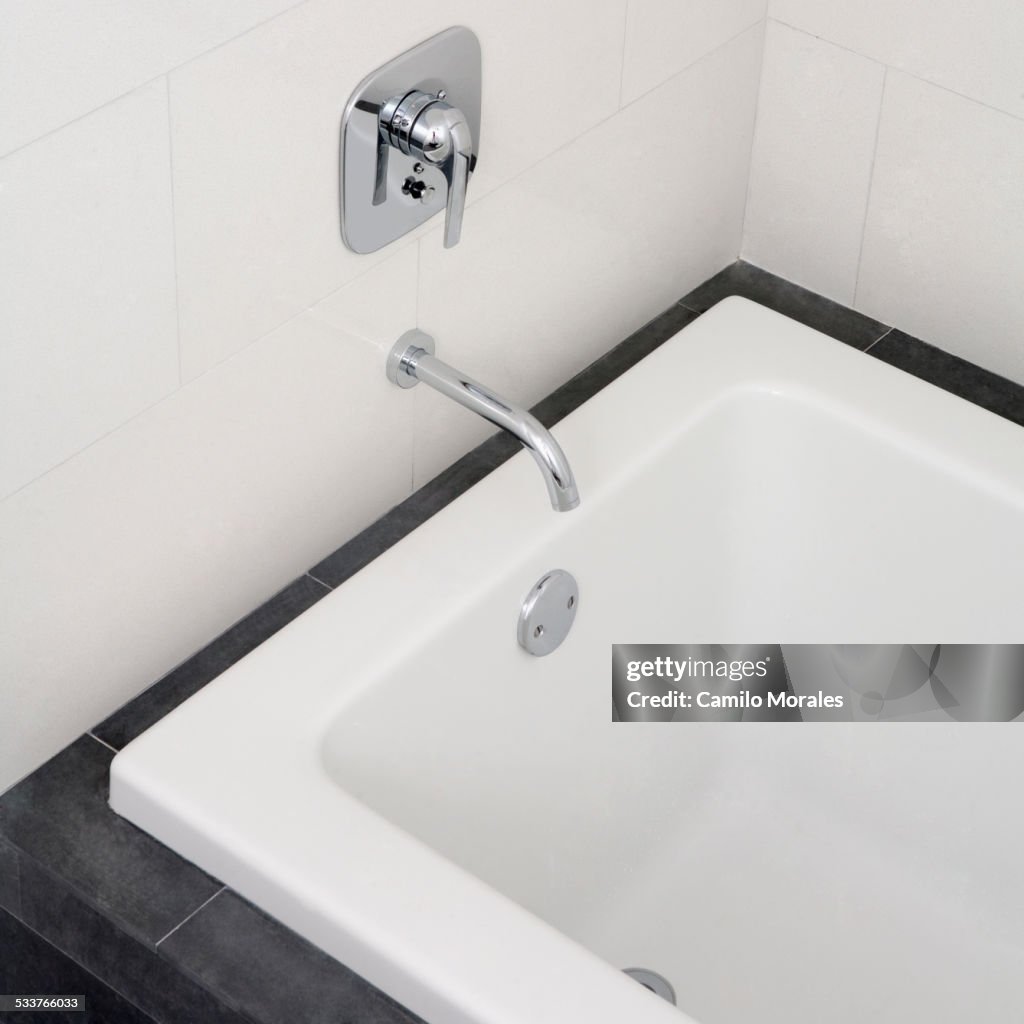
(385, 125)
(423, 126)
(380, 181)
(456, 171)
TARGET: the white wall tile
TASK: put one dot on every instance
(944, 242)
(86, 283)
(665, 36)
(60, 59)
(558, 266)
(366, 308)
(255, 140)
(972, 48)
(135, 553)
(816, 123)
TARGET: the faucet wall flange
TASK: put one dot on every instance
(401, 366)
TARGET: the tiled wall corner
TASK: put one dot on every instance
(663, 37)
(970, 48)
(817, 118)
(887, 202)
(947, 206)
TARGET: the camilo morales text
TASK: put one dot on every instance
(690, 669)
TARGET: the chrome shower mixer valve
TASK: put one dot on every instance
(410, 139)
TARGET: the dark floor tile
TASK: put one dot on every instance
(600, 373)
(134, 969)
(797, 303)
(269, 973)
(10, 886)
(151, 705)
(984, 388)
(59, 817)
(31, 966)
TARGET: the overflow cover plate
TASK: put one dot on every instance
(548, 612)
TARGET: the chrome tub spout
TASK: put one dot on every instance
(412, 360)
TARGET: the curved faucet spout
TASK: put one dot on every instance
(412, 360)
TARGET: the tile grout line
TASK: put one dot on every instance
(413, 405)
(316, 579)
(871, 185)
(753, 137)
(295, 5)
(306, 310)
(149, 81)
(825, 40)
(622, 59)
(899, 70)
(174, 226)
(92, 974)
(89, 732)
(189, 917)
(81, 117)
(885, 334)
(675, 74)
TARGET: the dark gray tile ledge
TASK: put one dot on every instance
(150, 938)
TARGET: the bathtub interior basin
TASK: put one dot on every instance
(465, 825)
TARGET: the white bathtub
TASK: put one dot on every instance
(463, 824)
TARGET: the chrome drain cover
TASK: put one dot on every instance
(654, 981)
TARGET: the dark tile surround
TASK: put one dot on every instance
(150, 706)
(979, 386)
(31, 966)
(91, 905)
(124, 873)
(797, 303)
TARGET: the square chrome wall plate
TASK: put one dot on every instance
(410, 190)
